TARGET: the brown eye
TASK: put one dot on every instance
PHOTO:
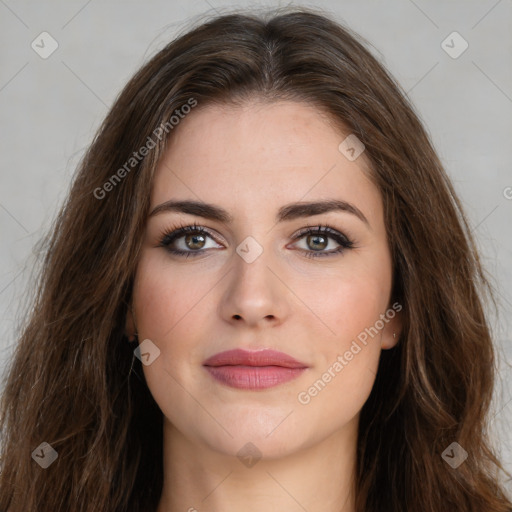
(196, 241)
(318, 239)
(187, 241)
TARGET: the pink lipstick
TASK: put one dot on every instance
(254, 370)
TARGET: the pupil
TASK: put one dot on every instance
(317, 237)
(195, 238)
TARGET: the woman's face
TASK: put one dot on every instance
(254, 281)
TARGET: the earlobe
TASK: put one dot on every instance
(391, 335)
(390, 340)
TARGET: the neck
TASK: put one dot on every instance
(317, 478)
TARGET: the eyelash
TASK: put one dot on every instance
(168, 237)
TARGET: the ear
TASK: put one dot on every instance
(393, 329)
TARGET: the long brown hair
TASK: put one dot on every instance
(74, 382)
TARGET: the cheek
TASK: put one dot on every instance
(348, 300)
(352, 305)
(165, 296)
(167, 304)
(164, 303)
(347, 361)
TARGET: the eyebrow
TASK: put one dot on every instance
(288, 212)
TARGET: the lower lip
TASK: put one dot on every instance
(253, 377)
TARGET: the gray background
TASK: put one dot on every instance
(50, 109)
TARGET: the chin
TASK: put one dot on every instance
(271, 434)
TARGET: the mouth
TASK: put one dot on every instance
(253, 370)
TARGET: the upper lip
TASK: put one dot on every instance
(265, 357)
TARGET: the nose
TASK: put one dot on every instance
(254, 294)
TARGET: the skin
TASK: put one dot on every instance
(252, 160)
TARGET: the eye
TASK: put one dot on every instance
(191, 240)
(318, 238)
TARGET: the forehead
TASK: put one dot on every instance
(260, 155)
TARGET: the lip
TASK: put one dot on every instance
(254, 370)
(265, 357)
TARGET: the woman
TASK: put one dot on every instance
(262, 292)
